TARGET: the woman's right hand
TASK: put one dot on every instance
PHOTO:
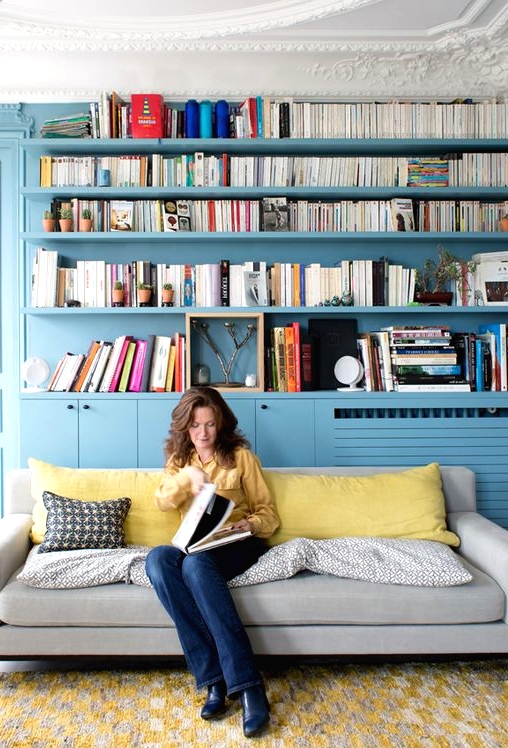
(197, 478)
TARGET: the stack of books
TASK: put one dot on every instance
(71, 126)
(425, 359)
(153, 364)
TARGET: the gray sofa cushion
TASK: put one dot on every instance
(305, 599)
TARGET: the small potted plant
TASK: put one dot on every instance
(48, 221)
(435, 278)
(65, 220)
(144, 293)
(117, 293)
(167, 294)
(86, 220)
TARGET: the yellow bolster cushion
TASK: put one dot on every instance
(407, 504)
(145, 523)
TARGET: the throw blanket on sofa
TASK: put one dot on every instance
(422, 563)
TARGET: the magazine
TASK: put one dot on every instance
(204, 525)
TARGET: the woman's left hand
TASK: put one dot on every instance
(243, 524)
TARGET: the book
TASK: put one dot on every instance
(159, 364)
(121, 215)
(255, 287)
(274, 214)
(402, 214)
(204, 524)
(147, 115)
(498, 352)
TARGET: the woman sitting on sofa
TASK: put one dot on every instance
(205, 445)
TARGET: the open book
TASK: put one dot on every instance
(204, 525)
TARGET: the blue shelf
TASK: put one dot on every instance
(289, 310)
(253, 236)
(337, 146)
(253, 193)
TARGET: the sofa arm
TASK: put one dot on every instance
(14, 544)
(483, 543)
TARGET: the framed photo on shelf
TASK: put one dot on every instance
(226, 349)
(492, 278)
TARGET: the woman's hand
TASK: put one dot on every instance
(197, 478)
(243, 524)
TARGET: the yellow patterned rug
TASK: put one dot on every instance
(408, 705)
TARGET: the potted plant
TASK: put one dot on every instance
(48, 222)
(435, 278)
(117, 293)
(86, 221)
(144, 293)
(65, 220)
(167, 294)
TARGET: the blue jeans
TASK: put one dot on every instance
(193, 590)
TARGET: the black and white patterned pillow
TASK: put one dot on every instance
(72, 524)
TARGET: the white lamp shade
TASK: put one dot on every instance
(35, 371)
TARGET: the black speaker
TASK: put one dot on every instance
(334, 337)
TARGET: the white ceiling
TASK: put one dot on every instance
(343, 49)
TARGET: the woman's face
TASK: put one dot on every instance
(203, 430)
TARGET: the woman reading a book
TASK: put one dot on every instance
(205, 446)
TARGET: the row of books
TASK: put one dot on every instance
(252, 283)
(395, 359)
(281, 214)
(152, 364)
(199, 169)
(147, 115)
(433, 358)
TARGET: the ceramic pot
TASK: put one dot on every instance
(144, 295)
(438, 298)
(503, 224)
(65, 224)
(167, 297)
(85, 224)
(117, 297)
(48, 224)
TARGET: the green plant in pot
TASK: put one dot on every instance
(438, 278)
(48, 221)
(86, 220)
(65, 220)
(144, 293)
(167, 294)
(117, 294)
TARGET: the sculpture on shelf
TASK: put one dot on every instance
(202, 329)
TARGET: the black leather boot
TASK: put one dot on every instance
(256, 710)
(215, 703)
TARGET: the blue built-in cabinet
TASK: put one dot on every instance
(291, 429)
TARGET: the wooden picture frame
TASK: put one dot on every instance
(247, 361)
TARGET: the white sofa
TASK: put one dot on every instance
(309, 614)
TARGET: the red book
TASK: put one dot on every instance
(147, 114)
(298, 353)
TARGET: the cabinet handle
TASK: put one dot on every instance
(264, 406)
(70, 407)
(86, 407)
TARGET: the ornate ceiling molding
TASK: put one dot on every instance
(26, 24)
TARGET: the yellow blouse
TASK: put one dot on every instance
(244, 484)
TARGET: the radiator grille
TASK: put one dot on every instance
(416, 436)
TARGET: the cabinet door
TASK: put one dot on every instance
(285, 432)
(154, 418)
(49, 431)
(245, 411)
(108, 433)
